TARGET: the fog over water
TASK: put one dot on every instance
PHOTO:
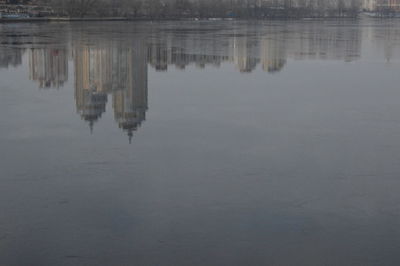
(200, 143)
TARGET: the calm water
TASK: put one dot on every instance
(200, 143)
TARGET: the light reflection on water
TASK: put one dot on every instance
(262, 140)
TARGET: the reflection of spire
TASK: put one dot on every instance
(90, 100)
(120, 68)
(94, 105)
(130, 103)
(112, 68)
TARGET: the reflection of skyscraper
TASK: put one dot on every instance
(49, 67)
(90, 96)
(157, 55)
(130, 102)
(273, 54)
(117, 69)
(245, 54)
(119, 66)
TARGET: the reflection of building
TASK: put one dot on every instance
(246, 47)
(273, 54)
(90, 98)
(119, 67)
(49, 67)
(130, 102)
(115, 69)
(158, 56)
(245, 54)
(329, 43)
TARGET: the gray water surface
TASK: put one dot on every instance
(200, 143)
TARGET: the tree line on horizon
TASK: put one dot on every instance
(170, 9)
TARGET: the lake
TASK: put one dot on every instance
(200, 143)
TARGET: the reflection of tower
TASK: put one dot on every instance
(245, 54)
(117, 69)
(130, 102)
(49, 67)
(273, 54)
(90, 96)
